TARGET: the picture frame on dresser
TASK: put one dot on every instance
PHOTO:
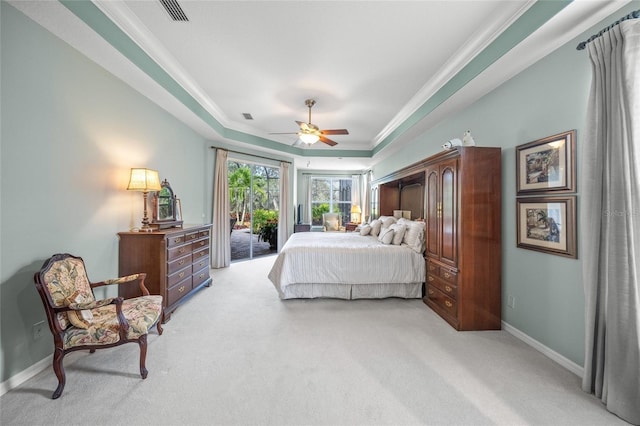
(547, 224)
(547, 165)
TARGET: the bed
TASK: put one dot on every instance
(348, 265)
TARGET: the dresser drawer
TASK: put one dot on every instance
(191, 236)
(176, 277)
(202, 262)
(433, 269)
(177, 252)
(178, 291)
(200, 276)
(442, 300)
(203, 234)
(199, 244)
(197, 255)
(444, 286)
(175, 240)
(178, 264)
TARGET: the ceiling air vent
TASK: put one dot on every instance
(247, 116)
(174, 10)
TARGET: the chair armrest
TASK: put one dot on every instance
(127, 279)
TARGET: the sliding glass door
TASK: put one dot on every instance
(254, 194)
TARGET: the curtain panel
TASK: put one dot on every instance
(610, 216)
(286, 217)
(221, 233)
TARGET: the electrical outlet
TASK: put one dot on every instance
(511, 301)
(38, 330)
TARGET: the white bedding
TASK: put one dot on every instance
(347, 266)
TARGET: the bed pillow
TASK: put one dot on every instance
(398, 233)
(365, 229)
(332, 224)
(387, 221)
(386, 235)
(414, 236)
(375, 227)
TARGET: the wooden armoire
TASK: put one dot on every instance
(463, 237)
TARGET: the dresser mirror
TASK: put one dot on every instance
(165, 208)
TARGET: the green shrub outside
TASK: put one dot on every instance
(261, 217)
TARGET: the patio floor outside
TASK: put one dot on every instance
(240, 242)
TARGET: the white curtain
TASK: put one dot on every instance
(366, 196)
(610, 219)
(307, 207)
(220, 236)
(285, 218)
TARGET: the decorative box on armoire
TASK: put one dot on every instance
(175, 260)
(463, 237)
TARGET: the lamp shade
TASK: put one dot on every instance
(144, 180)
(356, 209)
(309, 138)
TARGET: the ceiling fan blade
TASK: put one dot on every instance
(335, 132)
(328, 141)
(298, 142)
(289, 133)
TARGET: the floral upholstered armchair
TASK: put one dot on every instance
(79, 321)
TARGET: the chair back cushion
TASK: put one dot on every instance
(67, 282)
(331, 221)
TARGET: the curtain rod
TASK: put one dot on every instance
(633, 15)
(251, 155)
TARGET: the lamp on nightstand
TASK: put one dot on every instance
(144, 180)
(355, 213)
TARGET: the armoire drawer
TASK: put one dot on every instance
(442, 300)
(446, 287)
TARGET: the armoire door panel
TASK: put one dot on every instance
(433, 222)
(448, 213)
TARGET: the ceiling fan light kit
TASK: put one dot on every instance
(310, 133)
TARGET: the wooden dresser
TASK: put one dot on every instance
(176, 262)
(463, 237)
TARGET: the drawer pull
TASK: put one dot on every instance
(447, 275)
(181, 289)
(182, 250)
(201, 243)
(430, 279)
(447, 288)
(201, 276)
(181, 274)
(430, 291)
(449, 304)
(181, 262)
(176, 240)
(432, 268)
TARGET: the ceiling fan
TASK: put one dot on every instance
(310, 133)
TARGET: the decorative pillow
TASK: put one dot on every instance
(386, 235)
(80, 319)
(398, 233)
(414, 236)
(365, 229)
(375, 227)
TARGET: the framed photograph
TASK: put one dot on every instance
(547, 165)
(547, 224)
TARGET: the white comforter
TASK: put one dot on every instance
(311, 260)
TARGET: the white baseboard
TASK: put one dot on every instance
(560, 359)
(18, 379)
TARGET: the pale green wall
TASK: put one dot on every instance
(547, 98)
(70, 133)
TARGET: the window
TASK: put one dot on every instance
(330, 194)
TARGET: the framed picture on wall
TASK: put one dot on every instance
(547, 165)
(547, 224)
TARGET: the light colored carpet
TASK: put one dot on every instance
(235, 354)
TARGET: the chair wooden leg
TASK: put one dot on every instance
(142, 341)
(58, 368)
(159, 327)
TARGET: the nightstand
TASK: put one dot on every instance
(350, 227)
(301, 227)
